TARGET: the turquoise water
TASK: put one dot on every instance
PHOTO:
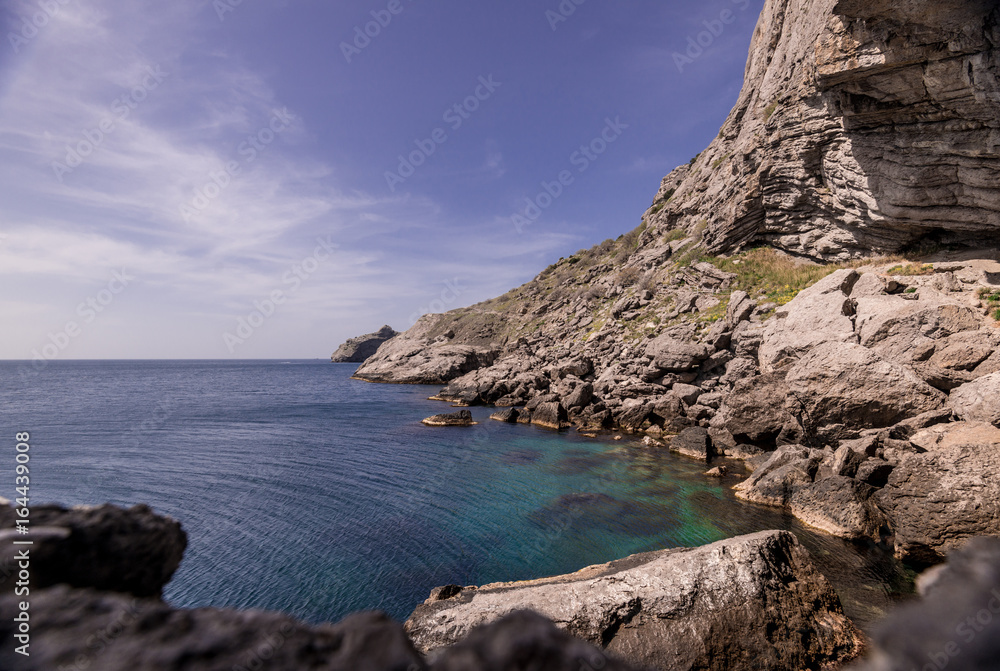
(304, 491)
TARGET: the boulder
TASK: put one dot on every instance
(460, 418)
(840, 506)
(360, 349)
(937, 500)
(693, 442)
(550, 415)
(580, 397)
(752, 602)
(418, 356)
(820, 314)
(508, 415)
(978, 401)
(676, 356)
(847, 384)
(757, 412)
(788, 468)
(105, 547)
(83, 629)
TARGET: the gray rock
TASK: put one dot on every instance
(938, 499)
(693, 442)
(676, 356)
(460, 418)
(549, 415)
(820, 314)
(875, 472)
(757, 411)
(840, 506)
(978, 401)
(847, 384)
(360, 349)
(84, 629)
(788, 469)
(749, 602)
(580, 397)
(508, 415)
(105, 547)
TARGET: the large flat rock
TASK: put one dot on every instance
(752, 602)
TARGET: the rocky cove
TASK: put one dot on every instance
(815, 299)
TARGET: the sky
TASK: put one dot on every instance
(213, 179)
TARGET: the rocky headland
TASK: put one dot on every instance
(360, 349)
(817, 293)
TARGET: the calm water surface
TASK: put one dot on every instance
(304, 491)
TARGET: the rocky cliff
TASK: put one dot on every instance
(358, 350)
(824, 277)
(863, 125)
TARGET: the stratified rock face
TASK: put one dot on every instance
(753, 602)
(863, 125)
(104, 547)
(358, 350)
(955, 626)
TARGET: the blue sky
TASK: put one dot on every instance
(235, 179)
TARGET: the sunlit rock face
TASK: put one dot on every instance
(863, 126)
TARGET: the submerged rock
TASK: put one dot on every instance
(753, 602)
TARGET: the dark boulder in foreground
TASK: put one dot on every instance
(84, 629)
(460, 418)
(956, 626)
(753, 602)
(105, 547)
(360, 349)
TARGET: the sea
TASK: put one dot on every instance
(304, 491)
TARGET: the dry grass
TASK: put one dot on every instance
(911, 270)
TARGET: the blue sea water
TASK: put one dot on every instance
(304, 491)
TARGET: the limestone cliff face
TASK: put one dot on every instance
(863, 125)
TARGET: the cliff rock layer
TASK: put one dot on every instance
(863, 125)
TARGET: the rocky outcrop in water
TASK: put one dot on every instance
(360, 349)
(749, 602)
